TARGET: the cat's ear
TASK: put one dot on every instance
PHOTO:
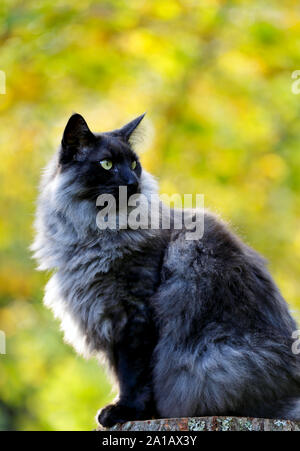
(128, 130)
(76, 139)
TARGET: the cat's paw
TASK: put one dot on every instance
(116, 413)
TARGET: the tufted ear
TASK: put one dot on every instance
(127, 130)
(77, 137)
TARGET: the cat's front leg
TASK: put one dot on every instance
(120, 413)
(133, 356)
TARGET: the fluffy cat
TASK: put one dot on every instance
(188, 327)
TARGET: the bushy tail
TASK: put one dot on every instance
(291, 410)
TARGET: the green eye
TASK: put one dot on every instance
(133, 165)
(106, 164)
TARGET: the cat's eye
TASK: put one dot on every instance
(106, 164)
(133, 165)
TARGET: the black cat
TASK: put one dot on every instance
(189, 327)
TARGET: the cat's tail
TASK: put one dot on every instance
(291, 410)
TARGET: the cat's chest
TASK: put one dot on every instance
(96, 300)
(92, 311)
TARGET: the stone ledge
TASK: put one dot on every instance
(207, 424)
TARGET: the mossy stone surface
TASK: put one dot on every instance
(208, 424)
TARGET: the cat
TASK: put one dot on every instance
(187, 327)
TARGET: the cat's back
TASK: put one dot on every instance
(221, 279)
(217, 248)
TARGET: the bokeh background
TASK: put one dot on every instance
(223, 120)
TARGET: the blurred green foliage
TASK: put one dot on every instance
(215, 78)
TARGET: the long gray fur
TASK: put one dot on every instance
(224, 329)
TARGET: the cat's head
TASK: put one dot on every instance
(99, 162)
